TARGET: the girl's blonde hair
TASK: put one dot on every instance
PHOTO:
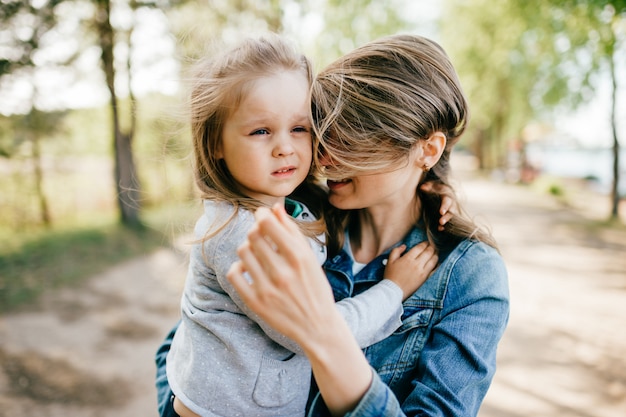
(373, 105)
(219, 85)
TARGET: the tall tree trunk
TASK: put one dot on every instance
(126, 179)
(41, 195)
(479, 148)
(615, 197)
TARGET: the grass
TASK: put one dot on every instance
(66, 255)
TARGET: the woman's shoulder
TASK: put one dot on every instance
(478, 265)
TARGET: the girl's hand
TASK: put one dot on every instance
(410, 269)
(449, 205)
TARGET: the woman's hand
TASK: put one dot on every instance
(288, 288)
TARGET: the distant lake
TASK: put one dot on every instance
(579, 163)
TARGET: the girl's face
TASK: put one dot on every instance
(266, 141)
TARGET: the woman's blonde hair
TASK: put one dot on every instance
(374, 104)
(218, 86)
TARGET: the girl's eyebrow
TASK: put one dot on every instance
(304, 117)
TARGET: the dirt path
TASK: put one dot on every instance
(88, 351)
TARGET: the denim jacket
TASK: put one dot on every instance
(441, 360)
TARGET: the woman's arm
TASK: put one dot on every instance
(296, 299)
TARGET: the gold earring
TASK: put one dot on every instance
(426, 168)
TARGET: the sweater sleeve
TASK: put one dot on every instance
(374, 314)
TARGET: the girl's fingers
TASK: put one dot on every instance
(432, 262)
(445, 218)
(417, 250)
(424, 255)
(427, 187)
(395, 253)
(446, 205)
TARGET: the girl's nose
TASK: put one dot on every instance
(284, 145)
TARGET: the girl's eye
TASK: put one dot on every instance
(260, 132)
(300, 129)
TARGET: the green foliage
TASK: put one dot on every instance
(24, 26)
(33, 263)
(556, 190)
(348, 24)
(519, 60)
(35, 19)
(197, 24)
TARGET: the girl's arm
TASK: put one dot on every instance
(375, 314)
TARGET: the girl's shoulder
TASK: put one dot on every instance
(220, 218)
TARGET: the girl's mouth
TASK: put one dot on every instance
(284, 171)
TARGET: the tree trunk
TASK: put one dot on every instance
(126, 181)
(479, 148)
(615, 197)
(41, 195)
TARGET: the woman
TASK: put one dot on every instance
(387, 116)
(253, 147)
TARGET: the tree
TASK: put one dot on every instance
(610, 16)
(197, 24)
(347, 24)
(510, 64)
(25, 26)
(521, 59)
(126, 179)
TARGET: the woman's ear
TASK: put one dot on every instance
(432, 148)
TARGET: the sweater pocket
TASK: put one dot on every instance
(284, 384)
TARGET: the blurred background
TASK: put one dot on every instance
(94, 141)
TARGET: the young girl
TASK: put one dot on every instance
(388, 115)
(251, 130)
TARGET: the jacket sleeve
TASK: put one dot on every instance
(456, 365)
